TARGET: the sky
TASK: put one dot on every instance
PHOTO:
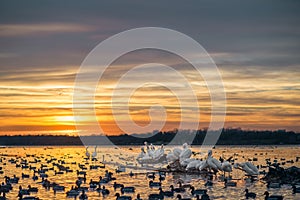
(255, 45)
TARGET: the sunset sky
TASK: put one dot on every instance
(255, 44)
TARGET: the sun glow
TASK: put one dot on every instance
(64, 119)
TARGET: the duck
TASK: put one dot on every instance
(166, 193)
(179, 197)
(295, 189)
(177, 190)
(58, 188)
(208, 183)
(30, 198)
(104, 191)
(131, 174)
(138, 197)
(72, 193)
(25, 175)
(32, 189)
(3, 197)
(151, 176)
(154, 184)
(118, 197)
(229, 183)
(161, 178)
(249, 194)
(273, 185)
(117, 185)
(103, 180)
(83, 196)
(203, 197)
(127, 189)
(272, 197)
(198, 191)
(23, 191)
(155, 197)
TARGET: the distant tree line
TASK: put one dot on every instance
(227, 137)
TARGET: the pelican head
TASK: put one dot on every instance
(209, 152)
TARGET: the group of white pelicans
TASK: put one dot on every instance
(151, 155)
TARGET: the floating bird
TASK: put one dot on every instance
(272, 197)
(177, 190)
(87, 153)
(118, 197)
(247, 167)
(250, 194)
(213, 163)
(117, 185)
(127, 189)
(179, 197)
(94, 154)
(198, 191)
(104, 191)
(296, 189)
(72, 193)
(166, 193)
(154, 184)
(138, 197)
(229, 183)
(83, 196)
(155, 197)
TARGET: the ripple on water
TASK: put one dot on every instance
(139, 180)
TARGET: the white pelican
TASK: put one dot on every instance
(94, 154)
(87, 153)
(247, 167)
(142, 154)
(186, 152)
(159, 153)
(212, 162)
(185, 162)
(203, 165)
(195, 164)
(150, 150)
(171, 157)
(152, 147)
(226, 167)
(177, 152)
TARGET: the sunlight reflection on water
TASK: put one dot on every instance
(76, 154)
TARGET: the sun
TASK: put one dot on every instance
(65, 119)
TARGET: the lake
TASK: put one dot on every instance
(72, 156)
